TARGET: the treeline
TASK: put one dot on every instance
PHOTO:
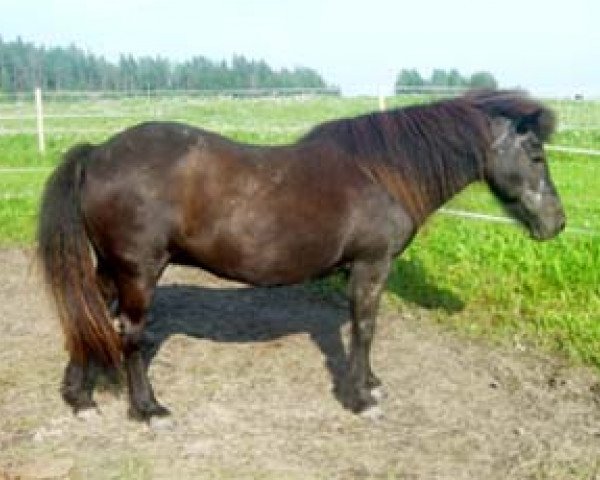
(411, 78)
(23, 66)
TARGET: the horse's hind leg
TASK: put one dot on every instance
(107, 287)
(79, 379)
(135, 294)
(78, 385)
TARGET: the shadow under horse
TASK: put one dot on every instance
(255, 315)
(251, 315)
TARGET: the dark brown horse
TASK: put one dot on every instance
(350, 194)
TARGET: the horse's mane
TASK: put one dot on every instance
(424, 154)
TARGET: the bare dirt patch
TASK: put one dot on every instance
(248, 374)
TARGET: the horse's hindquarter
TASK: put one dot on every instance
(267, 215)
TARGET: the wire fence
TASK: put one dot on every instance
(108, 112)
(97, 113)
(83, 95)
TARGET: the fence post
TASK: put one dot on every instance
(382, 105)
(39, 111)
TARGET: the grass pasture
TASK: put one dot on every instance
(481, 277)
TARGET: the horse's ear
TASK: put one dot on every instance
(542, 122)
(502, 130)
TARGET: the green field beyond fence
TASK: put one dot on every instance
(478, 276)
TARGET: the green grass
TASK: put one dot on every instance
(494, 279)
(19, 200)
(484, 278)
(581, 138)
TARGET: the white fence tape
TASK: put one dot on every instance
(495, 219)
(576, 150)
(476, 216)
(25, 169)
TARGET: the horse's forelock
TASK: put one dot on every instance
(516, 105)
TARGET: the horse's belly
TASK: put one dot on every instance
(282, 259)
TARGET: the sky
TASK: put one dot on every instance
(551, 48)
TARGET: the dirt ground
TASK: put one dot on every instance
(248, 375)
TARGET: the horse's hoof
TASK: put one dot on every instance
(373, 413)
(161, 424)
(88, 414)
(148, 412)
(378, 393)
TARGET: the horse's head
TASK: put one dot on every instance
(518, 174)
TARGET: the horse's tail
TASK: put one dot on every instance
(68, 266)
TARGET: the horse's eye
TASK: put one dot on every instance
(537, 158)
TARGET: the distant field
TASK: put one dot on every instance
(481, 277)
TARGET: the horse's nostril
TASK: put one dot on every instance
(562, 224)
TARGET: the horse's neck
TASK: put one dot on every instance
(422, 194)
(449, 189)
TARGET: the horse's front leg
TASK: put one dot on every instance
(366, 285)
